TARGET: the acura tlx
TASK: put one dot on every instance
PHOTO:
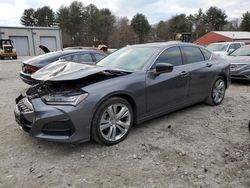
(75, 102)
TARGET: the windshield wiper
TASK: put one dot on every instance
(117, 72)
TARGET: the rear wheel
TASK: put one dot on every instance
(112, 121)
(14, 57)
(217, 92)
(1, 58)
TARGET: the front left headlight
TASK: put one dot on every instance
(58, 99)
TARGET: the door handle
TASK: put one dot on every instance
(209, 65)
(184, 73)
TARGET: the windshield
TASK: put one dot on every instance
(129, 58)
(243, 51)
(217, 47)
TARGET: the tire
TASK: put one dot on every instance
(14, 57)
(1, 58)
(217, 92)
(112, 121)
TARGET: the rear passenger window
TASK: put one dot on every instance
(68, 58)
(82, 58)
(206, 53)
(192, 54)
(171, 55)
(98, 57)
(237, 45)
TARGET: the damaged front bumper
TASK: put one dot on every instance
(67, 124)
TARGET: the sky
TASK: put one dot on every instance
(155, 10)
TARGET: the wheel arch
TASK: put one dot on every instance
(225, 78)
(122, 95)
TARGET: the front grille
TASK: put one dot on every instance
(7, 49)
(23, 106)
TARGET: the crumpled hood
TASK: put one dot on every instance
(239, 59)
(65, 70)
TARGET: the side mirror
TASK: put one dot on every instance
(163, 68)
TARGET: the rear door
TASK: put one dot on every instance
(199, 68)
(168, 90)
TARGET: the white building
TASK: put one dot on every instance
(27, 39)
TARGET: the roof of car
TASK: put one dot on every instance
(69, 51)
(165, 44)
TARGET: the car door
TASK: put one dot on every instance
(199, 68)
(168, 90)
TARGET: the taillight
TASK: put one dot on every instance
(31, 69)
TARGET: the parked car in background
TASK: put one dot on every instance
(79, 56)
(102, 48)
(224, 48)
(80, 48)
(240, 63)
(131, 85)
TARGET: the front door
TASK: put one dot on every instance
(168, 90)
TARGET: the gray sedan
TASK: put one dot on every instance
(240, 63)
(76, 102)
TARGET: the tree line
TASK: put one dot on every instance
(87, 25)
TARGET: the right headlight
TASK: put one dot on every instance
(57, 99)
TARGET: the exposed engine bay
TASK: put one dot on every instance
(70, 87)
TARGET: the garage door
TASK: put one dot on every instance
(49, 42)
(21, 45)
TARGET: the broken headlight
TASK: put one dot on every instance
(69, 99)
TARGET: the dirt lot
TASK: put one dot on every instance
(200, 146)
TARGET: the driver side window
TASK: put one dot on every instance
(171, 55)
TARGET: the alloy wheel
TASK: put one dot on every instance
(115, 122)
(218, 91)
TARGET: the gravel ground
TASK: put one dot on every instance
(200, 146)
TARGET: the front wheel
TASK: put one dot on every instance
(217, 92)
(112, 121)
(14, 57)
